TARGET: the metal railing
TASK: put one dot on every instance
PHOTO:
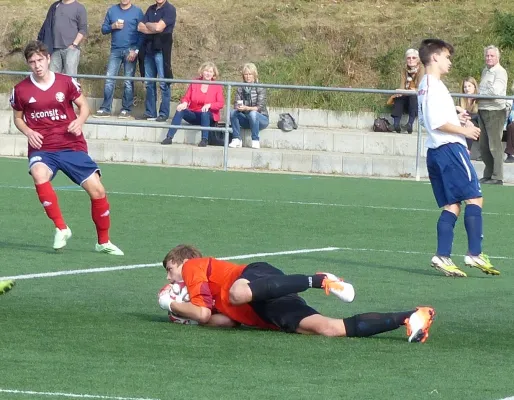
(230, 84)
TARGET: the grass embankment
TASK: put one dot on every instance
(308, 42)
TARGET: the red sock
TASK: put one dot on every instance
(101, 218)
(49, 201)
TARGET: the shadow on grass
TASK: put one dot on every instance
(33, 247)
(428, 271)
(149, 317)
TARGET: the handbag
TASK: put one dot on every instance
(286, 122)
(382, 125)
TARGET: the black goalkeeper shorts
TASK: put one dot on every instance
(285, 312)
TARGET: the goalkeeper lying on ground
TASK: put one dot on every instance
(262, 296)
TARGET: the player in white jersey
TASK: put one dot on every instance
(451, 173)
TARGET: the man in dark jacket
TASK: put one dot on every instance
(45, 34)
(64, 28)
(157, 25)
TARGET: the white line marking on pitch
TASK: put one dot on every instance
(290, 202)
(137, 266)
(240, 257)
(72, 395)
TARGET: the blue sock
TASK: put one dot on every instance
(473, 224)
(445, 227)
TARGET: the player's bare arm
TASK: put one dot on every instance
(188, 310)
(75, 126)
(35, 138)
(471, 132)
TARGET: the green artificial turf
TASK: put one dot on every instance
(103, 334)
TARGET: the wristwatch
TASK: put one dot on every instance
(75, 45)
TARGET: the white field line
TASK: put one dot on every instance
(290, 202)
(137, 266)
(239, 257)
(71, 395)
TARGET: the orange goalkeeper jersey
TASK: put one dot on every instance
(208, 282)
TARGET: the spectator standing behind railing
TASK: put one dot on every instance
(411, 75)
(492, 116)
(200, 105)
(157, 25)
(249, 108)
(468, 105)
(65, 26)
(121, 22)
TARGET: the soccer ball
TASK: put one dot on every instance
(174, 292)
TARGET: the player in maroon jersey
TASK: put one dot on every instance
(43, 111)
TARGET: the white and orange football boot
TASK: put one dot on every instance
(418, 324)
(332, 284)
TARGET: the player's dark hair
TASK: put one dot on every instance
(35, 47)
(433, 46)
(181, 252)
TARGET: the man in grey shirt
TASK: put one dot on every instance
(68, 29)
(492, 116)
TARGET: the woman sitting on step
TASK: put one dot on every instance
(200, 105)
(249, 109)
(411, 75)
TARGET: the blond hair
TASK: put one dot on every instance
(252, 69)
(467, 103)
(206, 65)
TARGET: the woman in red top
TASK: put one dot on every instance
(200, 105)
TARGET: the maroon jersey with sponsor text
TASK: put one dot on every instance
(49, 111)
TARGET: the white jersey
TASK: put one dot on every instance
(436, 108)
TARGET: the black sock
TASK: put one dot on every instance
(280, 285)
(369, 324)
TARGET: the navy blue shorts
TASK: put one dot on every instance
(76, 165)
(285, 312)
(452, 175)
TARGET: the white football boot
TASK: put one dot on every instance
(109, 248)
(61, 237)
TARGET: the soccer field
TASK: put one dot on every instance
(99, 334)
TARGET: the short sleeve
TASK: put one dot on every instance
(435, 111)
(146, 17)
(195, 277)
(169, 16)
(74, 88)
(14, 100)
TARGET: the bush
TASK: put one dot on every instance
(503, 24)
(19, 34)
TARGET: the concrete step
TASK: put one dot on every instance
(303, 138)
(344, 140)
(302, 161)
